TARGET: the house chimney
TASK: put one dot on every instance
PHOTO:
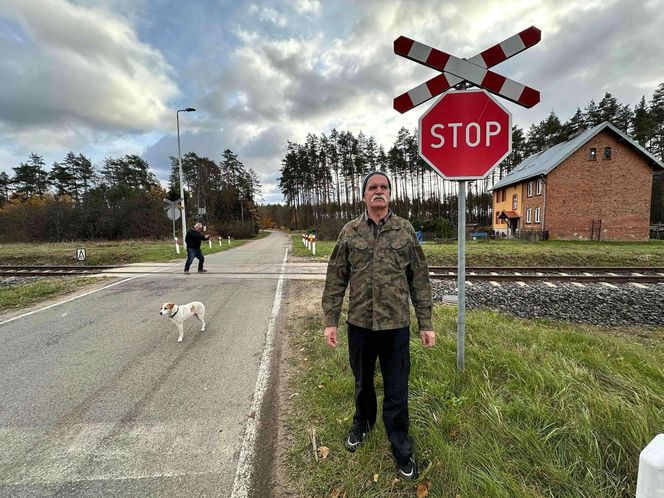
(575, 134)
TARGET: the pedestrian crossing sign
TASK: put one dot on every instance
(80, 254)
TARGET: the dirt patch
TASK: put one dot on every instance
(303, 298)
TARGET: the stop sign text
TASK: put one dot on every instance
(473, 133)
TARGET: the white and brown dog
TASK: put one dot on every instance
(180, 313)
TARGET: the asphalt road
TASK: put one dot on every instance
(98, 398)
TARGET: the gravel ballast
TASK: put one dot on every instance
(594, 303)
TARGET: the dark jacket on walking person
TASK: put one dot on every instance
(193, 240)
(379, 257)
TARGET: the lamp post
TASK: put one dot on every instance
(184, 217)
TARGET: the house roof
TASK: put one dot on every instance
(509, 214)
(543, 162)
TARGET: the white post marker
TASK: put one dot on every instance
(210, 242)
(229, 240)
(220, 241)
(313, 245)
(177, 246)
(650, 479)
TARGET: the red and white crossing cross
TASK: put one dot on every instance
(465, 134)
(474, 70)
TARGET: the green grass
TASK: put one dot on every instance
(26, 294)
(104, 253)
(542, 409)
(521, 253)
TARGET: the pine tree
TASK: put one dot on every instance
(31, 178)
(657, 116)
(642, 124)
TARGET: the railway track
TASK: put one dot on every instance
(498, 274)
(614, 274)
(52, 271)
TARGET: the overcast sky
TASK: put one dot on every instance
(105, 77)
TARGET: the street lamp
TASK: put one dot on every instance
(184, 217)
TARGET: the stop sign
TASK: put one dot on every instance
(465, 134)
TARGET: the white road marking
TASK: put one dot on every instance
(640, 286)
(610, 286)
(549, 284)
(494, 283)
(244, 471)
(522, 284)
(577, 284)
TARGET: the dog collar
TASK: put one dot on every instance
(176, 312)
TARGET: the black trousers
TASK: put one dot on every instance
(392, 348)
(194, 253)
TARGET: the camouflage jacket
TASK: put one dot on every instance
(382, 273)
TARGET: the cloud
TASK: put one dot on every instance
(308, 6)
(263, 73)
(79, 66)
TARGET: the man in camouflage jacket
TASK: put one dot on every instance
(379, 257)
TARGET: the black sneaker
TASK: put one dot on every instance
(355, 437)
(202, 271)
(408, 471)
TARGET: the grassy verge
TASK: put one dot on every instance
(105, 253)
(520, 253)
(543, 409)
(323, 249)
(22, 295)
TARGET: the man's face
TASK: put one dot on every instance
(377, 193)
(198, 227)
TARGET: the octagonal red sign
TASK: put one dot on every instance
(465, 134)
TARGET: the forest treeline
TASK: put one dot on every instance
(320, 179)
(124, 199)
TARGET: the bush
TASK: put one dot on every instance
(236, 229)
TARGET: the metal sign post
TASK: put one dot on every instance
(461, 276)
(173, 211)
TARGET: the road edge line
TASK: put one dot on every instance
(9, 320)
(244, 471)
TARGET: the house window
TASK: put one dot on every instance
(539, 186)
(607, 152)
(514, 201)
(530, 189)
(497, 219)
(529, 215)
(500, 196)
(537, 215)
(592, 154)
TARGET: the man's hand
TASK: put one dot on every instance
(428, 338)
(331, 336)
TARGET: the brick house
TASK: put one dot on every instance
(595, 186)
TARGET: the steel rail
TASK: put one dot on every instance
(549, 269)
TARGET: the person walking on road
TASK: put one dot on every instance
(193, 240)
(379, 257)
